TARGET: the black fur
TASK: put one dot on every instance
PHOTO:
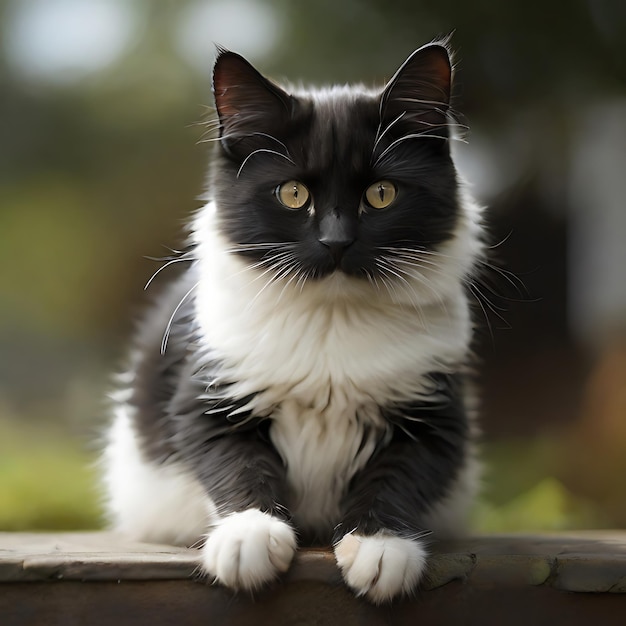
(337, 148)
(183, 416)
(184, 411)
(415, 470)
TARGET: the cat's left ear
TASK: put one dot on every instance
(248, 104)
(419, 92)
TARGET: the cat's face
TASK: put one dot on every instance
(339, 180)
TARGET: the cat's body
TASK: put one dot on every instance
(311, 382)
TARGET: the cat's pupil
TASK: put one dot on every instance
(292, 194)
(381, 194)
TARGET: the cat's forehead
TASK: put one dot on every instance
(329, 94)
(343, 123)
(340, 103)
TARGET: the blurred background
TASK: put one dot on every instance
(102, 104)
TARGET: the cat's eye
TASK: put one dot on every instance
(381, 194)
(292, 194)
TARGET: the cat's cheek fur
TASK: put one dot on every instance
(248, 549)
(380, 567)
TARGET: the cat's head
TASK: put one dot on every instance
(341, 180)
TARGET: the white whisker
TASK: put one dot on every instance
(380, 135)
(166, 265)
(168, 328)
(262, 150)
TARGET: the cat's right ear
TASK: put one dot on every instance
(418, 95)
(248, 104)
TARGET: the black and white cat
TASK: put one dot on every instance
(304, 380)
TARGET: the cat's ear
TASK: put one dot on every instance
(419, 92)
(248, 104)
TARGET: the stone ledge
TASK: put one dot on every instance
(526, 576)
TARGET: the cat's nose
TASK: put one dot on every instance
(336, 246)
(337, 233)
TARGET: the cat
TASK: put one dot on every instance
(305, 380)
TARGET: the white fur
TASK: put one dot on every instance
(328, 354)
(248, 549)
(380, 566)
(321, 451)
(161, 504)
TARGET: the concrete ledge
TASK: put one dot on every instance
(98, 578)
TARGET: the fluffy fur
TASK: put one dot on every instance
(304, 381)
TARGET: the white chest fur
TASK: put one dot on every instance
(322, 450)
(326, 357)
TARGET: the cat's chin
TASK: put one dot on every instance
(339, 285)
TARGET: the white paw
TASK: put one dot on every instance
(380, 566)
(248, 549)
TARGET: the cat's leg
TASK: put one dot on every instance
(251, 541)
(380, 545)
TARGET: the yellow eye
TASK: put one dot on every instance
(381, 194)
(292, 194)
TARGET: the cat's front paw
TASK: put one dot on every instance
(248, 549)
(380, 566)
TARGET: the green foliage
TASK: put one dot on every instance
(546, 506)
(47, 482)
(522, 492)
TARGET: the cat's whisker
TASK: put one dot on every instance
(431, 105)
(427, 267)
(253, 247)
(380, 135)
(269, 270)
(303, 278)
(422, 135)
(295, 272)
(481, 292)
(423, 251)
(390, 273)
(165, 266)
(404, 285)
(477, 286)
(402, 260)
(260, 151)
(196, 544)
(391, 283)
(168, 327)
(210, 131)
(268, 262)
(278, 141)
(411, 255)
(515, 281)
(371, 278)
(418, 276)
(478, 298)
(204, 139)
(277, 271)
